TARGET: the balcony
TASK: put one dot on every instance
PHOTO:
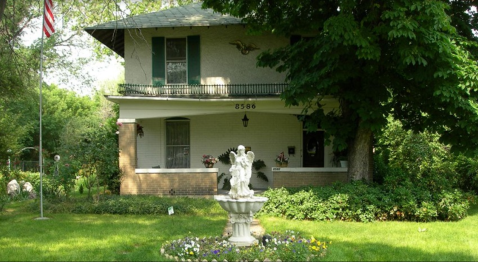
(205, 91)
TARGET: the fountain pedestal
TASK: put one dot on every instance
(241, 202)
(241, 212)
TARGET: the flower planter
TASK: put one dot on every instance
(209, 161)
(344, 163)
(283, 164)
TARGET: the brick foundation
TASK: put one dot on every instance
(311, 178)
(183, 184)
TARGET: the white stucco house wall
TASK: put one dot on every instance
(189, 88)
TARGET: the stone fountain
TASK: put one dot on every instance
(241, 202)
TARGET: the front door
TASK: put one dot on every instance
(313, 147)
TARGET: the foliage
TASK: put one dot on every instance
(60, 179)
(288, 246)
(338, 156)
(131, 205)
(258, 165)
(466, 169)
(358, 201)
(224, 157)
(403, 58)
(97, 153)
(227, 183)
(63, 112)
(405, 157)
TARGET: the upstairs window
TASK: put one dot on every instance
(176, 60)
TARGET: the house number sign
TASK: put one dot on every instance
(245, 106)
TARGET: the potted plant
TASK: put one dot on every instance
(340, 159)
(281, 160)
(209, 161)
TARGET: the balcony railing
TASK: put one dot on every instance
(232, 90)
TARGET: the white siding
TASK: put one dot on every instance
(149, 150)
(221, 62)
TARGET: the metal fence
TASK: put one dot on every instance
(31, 166)
(203, 90)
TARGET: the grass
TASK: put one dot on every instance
(391, 241)
(74, 237)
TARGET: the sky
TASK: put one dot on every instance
(108, 70)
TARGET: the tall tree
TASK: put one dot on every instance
(62, 60)
(400, 57)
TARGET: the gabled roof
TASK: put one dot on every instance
(112, 33)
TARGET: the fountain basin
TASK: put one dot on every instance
(241, 205)
(241, 212)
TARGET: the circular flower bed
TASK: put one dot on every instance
(290, 246)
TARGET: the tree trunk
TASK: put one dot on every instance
(360, 156)
(3, 4)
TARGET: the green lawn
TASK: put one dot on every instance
(71, 237)
(391, 241)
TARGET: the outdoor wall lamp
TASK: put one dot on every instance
(245, 121)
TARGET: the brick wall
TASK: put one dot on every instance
(185, 184)
(298, 179)
(127, 158)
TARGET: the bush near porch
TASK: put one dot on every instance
(416, 178)
(360, 202)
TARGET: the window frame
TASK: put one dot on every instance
(185, 60)
(186, 148)
(193, 60)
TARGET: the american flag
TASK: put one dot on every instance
(48, 19)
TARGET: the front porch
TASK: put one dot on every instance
(145, 160)
(212, 116)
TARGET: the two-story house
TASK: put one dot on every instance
(192, 88)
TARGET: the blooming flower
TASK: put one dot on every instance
(208, 159)
(282, 159)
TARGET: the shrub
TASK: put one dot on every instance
(466, 169)
(453, 205)
(358, 201)
(133, 205)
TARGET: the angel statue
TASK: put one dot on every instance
(241, 171)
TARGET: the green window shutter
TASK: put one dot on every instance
(194, 60)
(159, 69)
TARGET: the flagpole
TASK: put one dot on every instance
(40, 157)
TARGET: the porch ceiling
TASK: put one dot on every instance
(158, 107)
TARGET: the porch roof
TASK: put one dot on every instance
(141, 107)
(112, 33)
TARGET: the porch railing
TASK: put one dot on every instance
(203, 90)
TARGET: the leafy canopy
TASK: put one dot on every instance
(414, 60)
